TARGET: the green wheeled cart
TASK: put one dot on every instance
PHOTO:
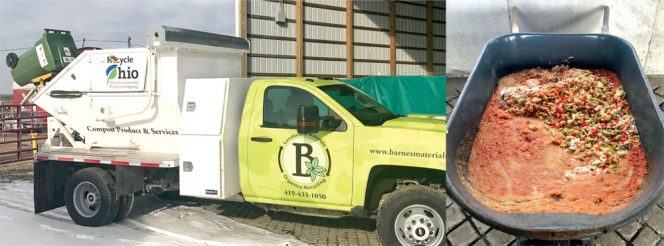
(51, 53)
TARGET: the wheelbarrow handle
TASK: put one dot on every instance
(514, 20)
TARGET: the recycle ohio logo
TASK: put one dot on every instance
(304, 159)
(120, 69)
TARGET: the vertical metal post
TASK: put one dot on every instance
(393, 38)
(299, 38)
(350, 66)
(19, 148)
(430, 37)
(241, 8)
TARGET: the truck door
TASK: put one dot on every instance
(298, 169)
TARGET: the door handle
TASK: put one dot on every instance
(261, 139)
(65, 94)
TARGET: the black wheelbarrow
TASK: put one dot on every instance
(513, 52)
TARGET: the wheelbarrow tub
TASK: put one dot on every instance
(513, 52)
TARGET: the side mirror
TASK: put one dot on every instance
(329, 123)
(307, 119)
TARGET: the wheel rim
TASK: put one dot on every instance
(419, 225)
(87, 199)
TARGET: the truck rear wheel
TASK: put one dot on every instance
(90, 197)
(125, 204)
(412, 215)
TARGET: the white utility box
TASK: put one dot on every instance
(209, 126)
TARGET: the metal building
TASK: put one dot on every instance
(342, 38)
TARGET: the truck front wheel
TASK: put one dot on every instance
(91, 198)
(412, 215)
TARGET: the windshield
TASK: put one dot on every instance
(363, 107)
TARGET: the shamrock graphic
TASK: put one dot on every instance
(314, 170)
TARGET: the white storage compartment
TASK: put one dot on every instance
(211, 116)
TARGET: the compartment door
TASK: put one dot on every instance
(200, 166)
(200, 138)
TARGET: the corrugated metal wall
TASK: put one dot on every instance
(274, 48)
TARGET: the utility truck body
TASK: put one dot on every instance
(175, 117)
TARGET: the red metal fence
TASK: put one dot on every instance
(22, 129)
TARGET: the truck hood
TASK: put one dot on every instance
(424, 122)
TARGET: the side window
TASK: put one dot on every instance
(281, 104)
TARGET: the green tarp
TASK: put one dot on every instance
(405, 94)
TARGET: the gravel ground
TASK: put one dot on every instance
(16, 171)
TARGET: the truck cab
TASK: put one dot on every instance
(323, 144)
(328, 166)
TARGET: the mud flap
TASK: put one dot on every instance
(49, 185)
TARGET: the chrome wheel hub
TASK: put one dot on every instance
(86, 199)
(419, 225)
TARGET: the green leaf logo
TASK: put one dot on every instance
(313, 170)
(111, 72)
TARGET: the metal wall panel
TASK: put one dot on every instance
(439, 32)
(324, 33)
(270, 28)
(381, 6)
(267, 8)
(371, 20)
(324, 67)
(371, 53)
(272, 47)
(324, 50)
(271, 65)
(439, 43)
(410, 40)
(411, 10)
(410, 55)
(372, 60)
(409, 25)
(438, 70)
(371, 37)
(438, 57)
(408, 69)
(439, 14)
(439, 3)
(333, 3)
(439, 28)
(371, 69)
(325, 15)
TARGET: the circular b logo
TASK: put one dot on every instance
(304, 159)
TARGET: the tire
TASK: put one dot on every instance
(125, 204)
(90, 197)
(412, 215)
